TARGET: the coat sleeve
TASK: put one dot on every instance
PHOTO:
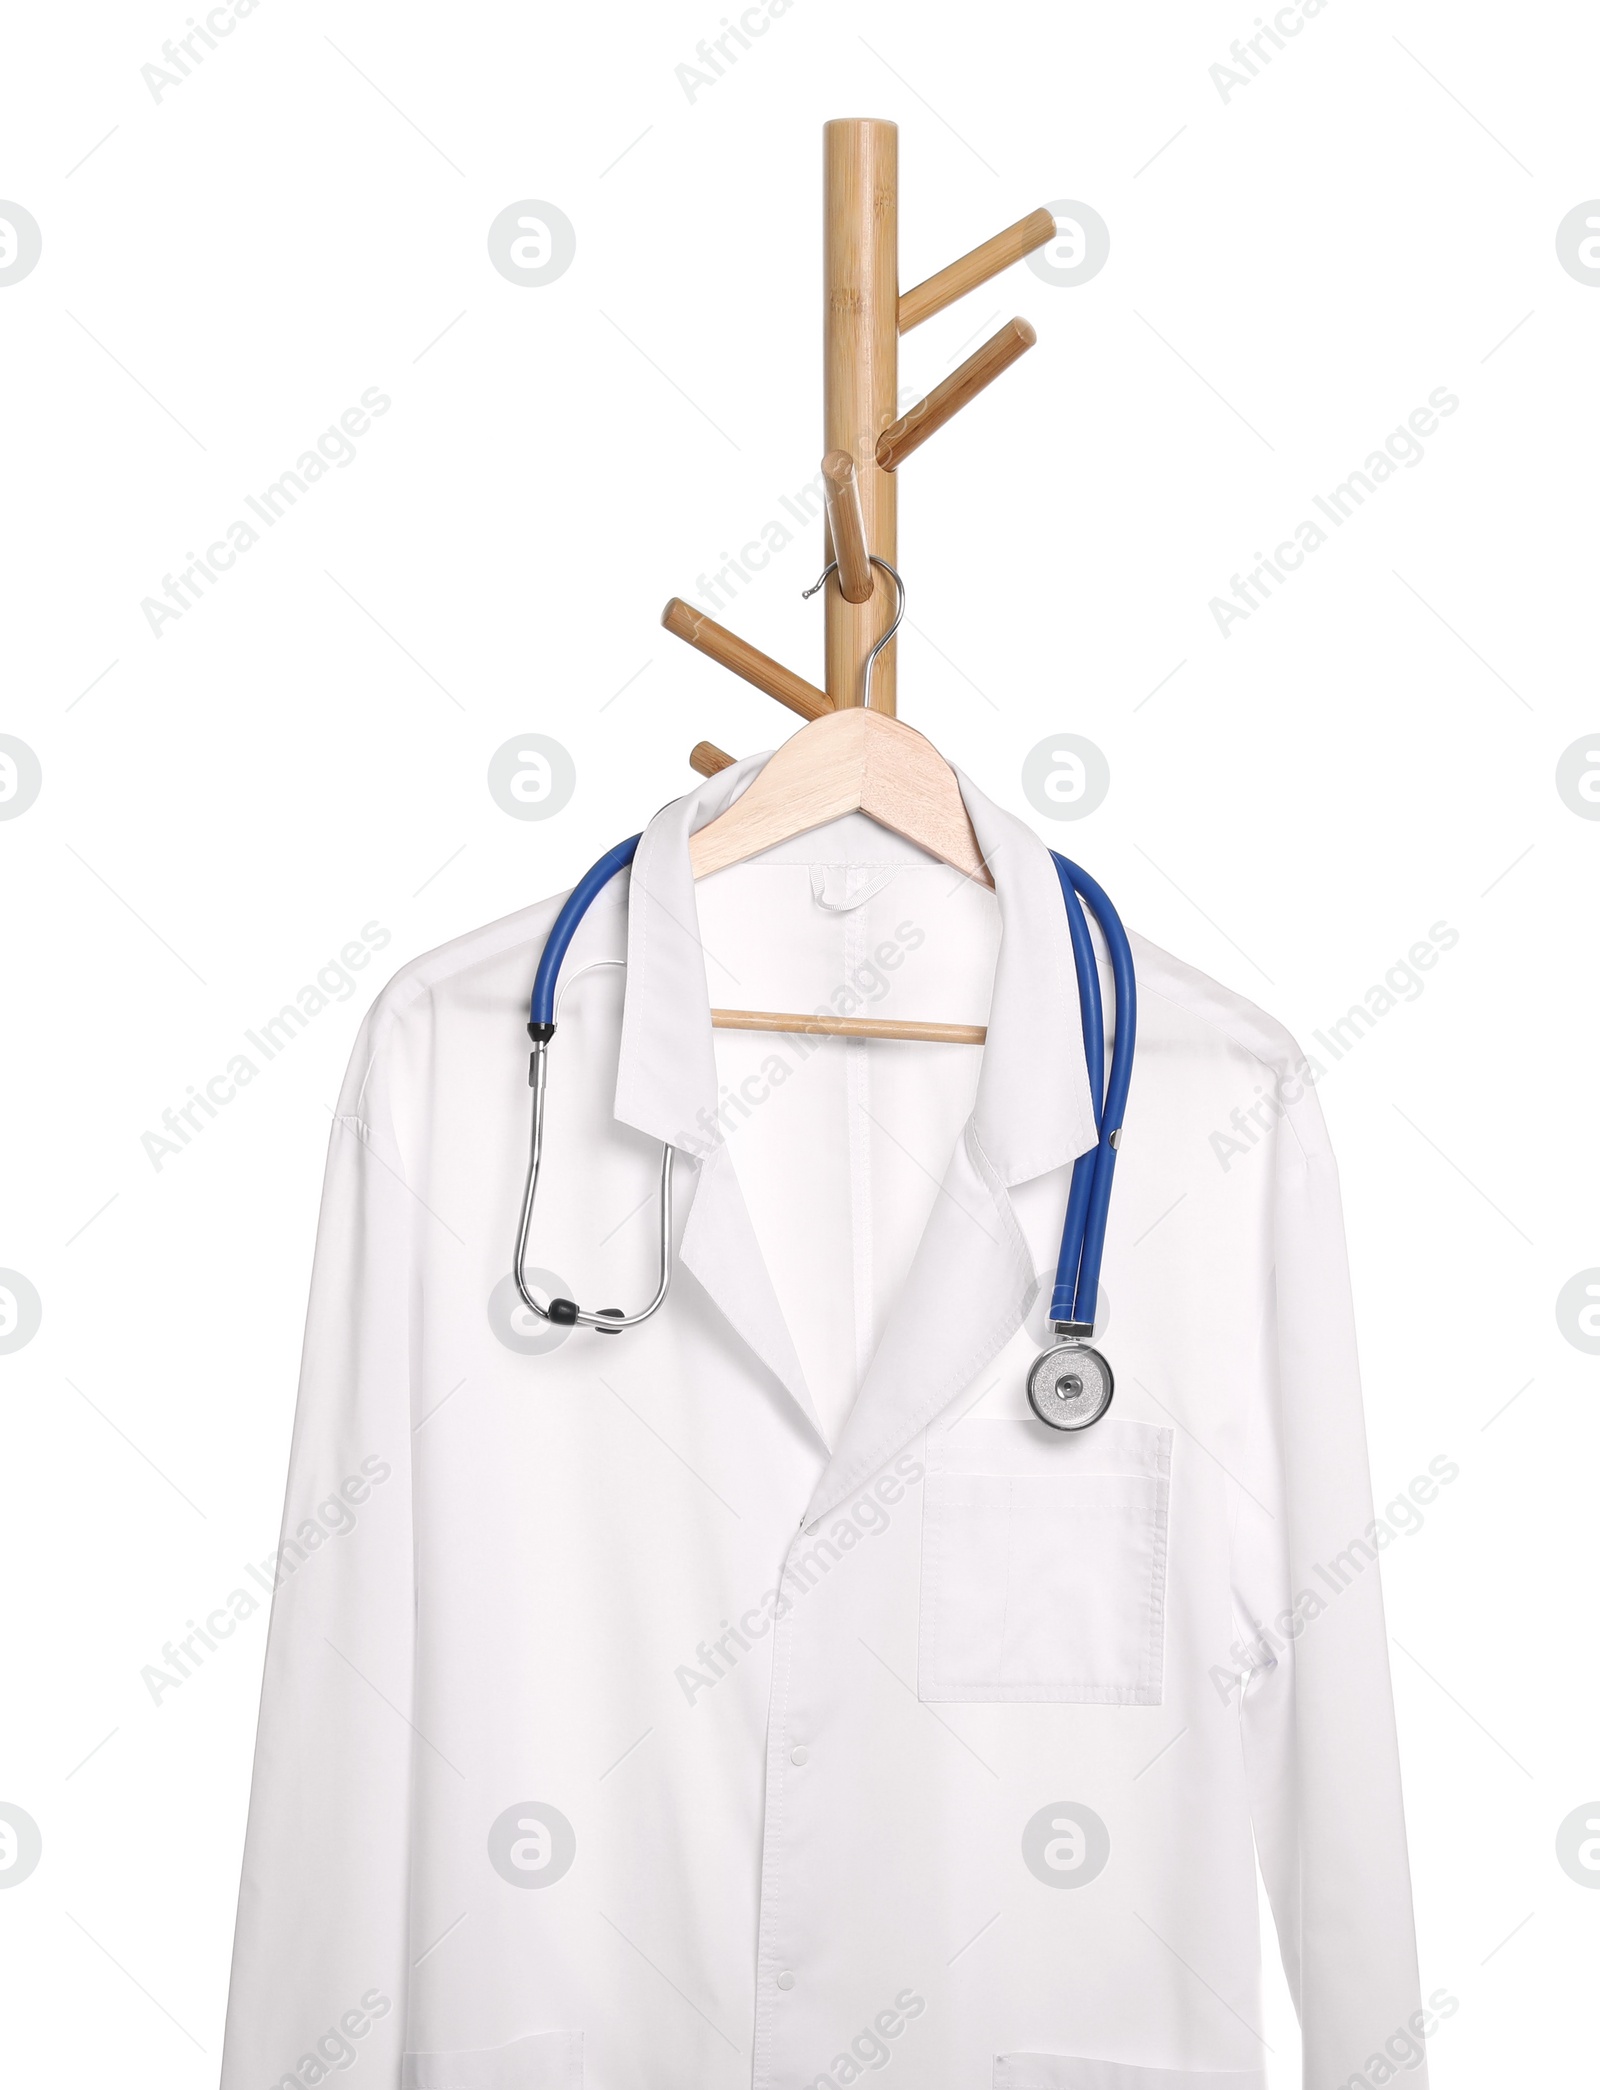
(319, 1962)
(1317, 1710)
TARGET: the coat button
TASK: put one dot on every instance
(786, 1980)
(800, 1755)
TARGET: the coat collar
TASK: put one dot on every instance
(972, 1275)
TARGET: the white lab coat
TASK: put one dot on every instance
(762, 1696)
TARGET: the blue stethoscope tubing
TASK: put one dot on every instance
(1083, 1233)
(542, 1009)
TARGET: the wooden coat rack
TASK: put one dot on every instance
(864, 441)
(882, 769)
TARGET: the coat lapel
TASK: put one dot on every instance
(969, 1286)
(667, 1076)
(971, 1280)
(719, 1246)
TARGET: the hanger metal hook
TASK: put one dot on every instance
(899, 615)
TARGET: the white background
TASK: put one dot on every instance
(1292, 271)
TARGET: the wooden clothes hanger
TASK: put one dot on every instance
(854, 755)
(852, 761)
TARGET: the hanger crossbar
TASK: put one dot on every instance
(851, 1026)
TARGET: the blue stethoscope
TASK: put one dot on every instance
(1069, 1384)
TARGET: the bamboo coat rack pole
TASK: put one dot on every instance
(860, 365)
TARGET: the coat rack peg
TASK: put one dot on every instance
(847, 525)
(929, 415)
(706, 758)
(924, 299)
(741, 658)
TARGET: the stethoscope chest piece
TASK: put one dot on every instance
(1070, 1386)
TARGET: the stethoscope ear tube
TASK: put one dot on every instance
(542, 1012)
(1094, 1052)
(1089, 1198)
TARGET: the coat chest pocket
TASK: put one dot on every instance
(1044, 1563)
